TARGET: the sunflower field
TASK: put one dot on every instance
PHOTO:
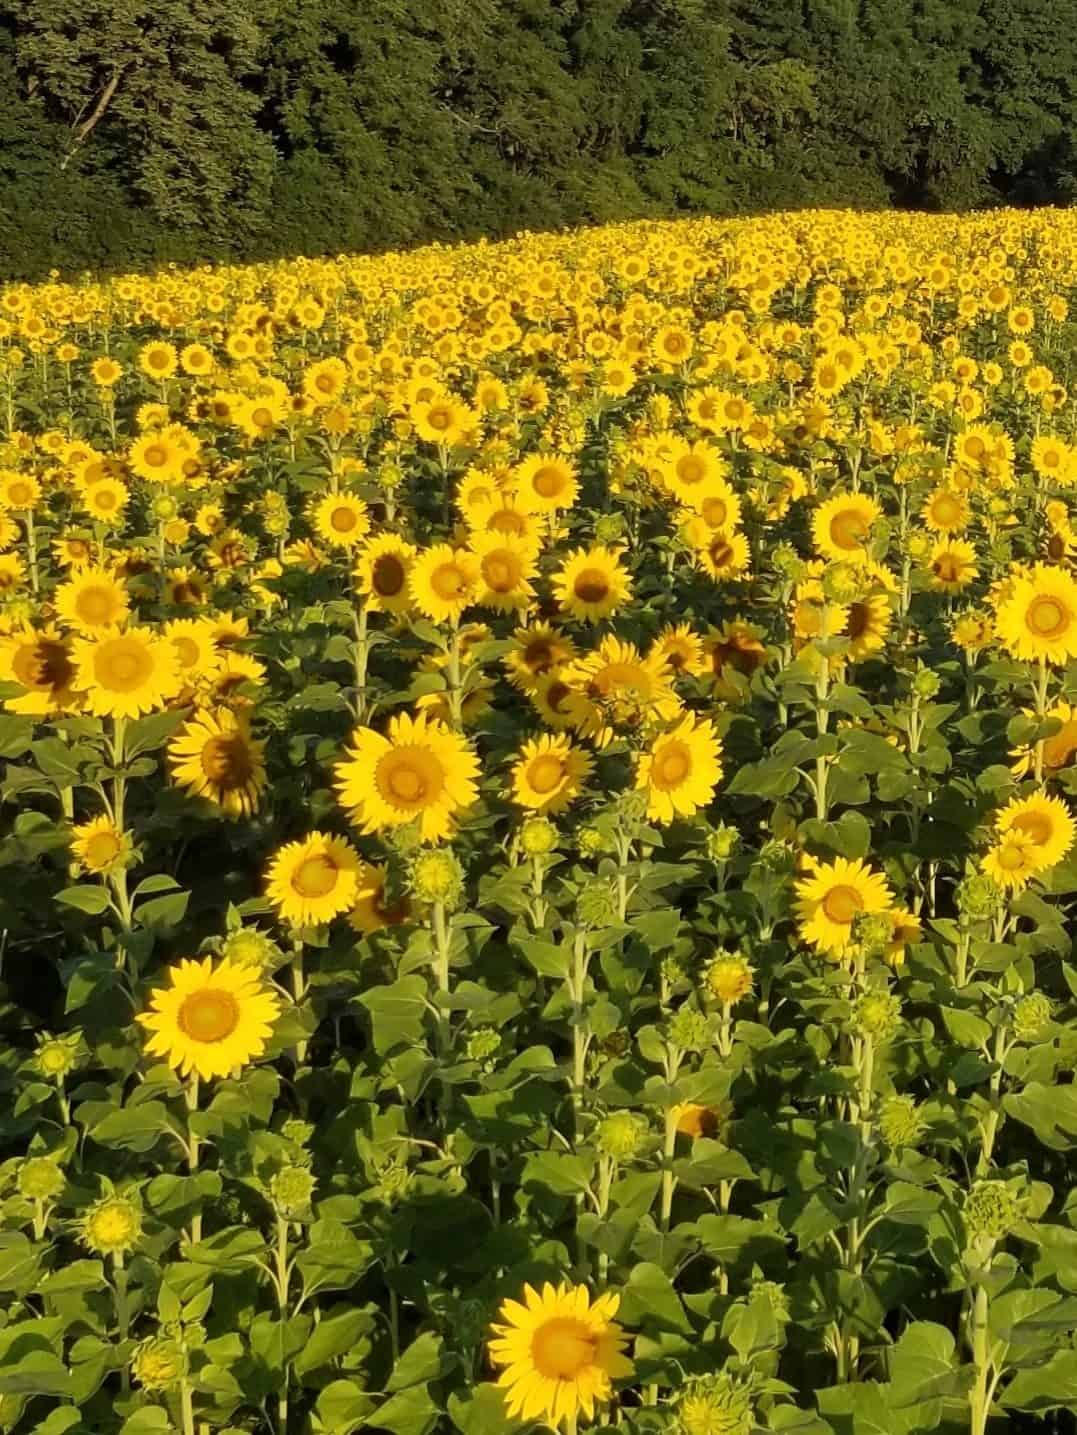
(537, 837)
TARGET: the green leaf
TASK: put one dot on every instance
(423, 1360)
(88, 898)
(412, 1412)
(163, 911)
(650, 1300)
(923, 1365)
(1050, 1386)
(481, 1411)
(150, 733)
(342, 1407)
(397, 1012)
(135, 1128)
(547, 958)
(333, 1336)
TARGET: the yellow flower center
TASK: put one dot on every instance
(208, 1015)
(44, 664)
(102, 849)
(20, 495)
(226, 761)
(848, 530)
(691, 468)
(409, 778)
(187, 651)
(671, 766)
(501, 571)
(343, 520)
(947, 568)
(716, 512)
(96, 606)
(841, 905)
(946, 510)
(562, 1347)
(545, 773)
(387, 576)
(1010, 857)
(506, 520)
(548, 482)
(439, 418)
(448, 582)
(1047, 618)
(156, 455)
(122, 666)
(591, 586)
(1036, 825)
(315, 876)
(112, 1225)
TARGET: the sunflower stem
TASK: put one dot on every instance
(192, 1148)
(123, 1316)
(1041, 711)
(186, 1407)
(361, 651)
(299, 991)
(31, 544)
(456, 704)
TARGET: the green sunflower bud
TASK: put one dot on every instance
(977, 897)
(597, 904)
(990, 1211)
(900, 1122)
(621, 1135)
(715, 1405)
(436, 876)
(722, 843)
(538, 837)
(292, 1189)
(877, 1016)
(690, 1030)
(1032, 1017)
(482, 1044)
(158, 1364)
(39, 1178)
(926, 684)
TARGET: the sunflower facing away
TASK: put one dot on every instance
(830, 899)
(312, 881)
(680, 769)
(560, 1352)
(214, 756)
(210, 1021)
(1059, 750)
(419, 771)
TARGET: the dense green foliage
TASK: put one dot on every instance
(133, 131)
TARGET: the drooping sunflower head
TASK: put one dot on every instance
(376, 905)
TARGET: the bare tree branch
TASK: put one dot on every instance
(89, 125)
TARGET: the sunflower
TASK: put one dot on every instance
(195, 645)
(1012, 861)
(724, 555)
(737, 647)
(12, 573)
(506, 567)
(184, 588)
(952, 565)
(214, 756)
(125, 673)
(506, 517)
(905, 931)
(40, 662)
(1059, 749)
(945, 511)
(157, 360)
(106, 500)
(99, 846)
(312, 881)
(535, 652)
(695, 472)
(19, 491)
(680, 769)
(549, 773)
(545, 483)
(210, 1021)
(841, 527)
(1037, 616)
(1045, 821)
(341, 520)
(105, 372)
(615, 687)
(443, 419)
(91, 601)
(420, 771)
(1052, 458)
(443, 581)
(591, 584)
(680, 649)
(224, 685)
(156, 457)
(374, 910)
(560, 1352)
(382, 569)
(831, 897)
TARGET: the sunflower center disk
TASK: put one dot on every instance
(561, 1348)
(1010, 857)
(1035, 825)
(716, 512)
(388, 576)
(226, 761)
(343, 520)
(671, 766)
(1047, 618)
(448, 582)
(208, 1015)
(841, 904)
(102, 849)
(408, 778)
(500, 573)
(591, 586)
(546, 772)
(548, 482)
(691, 470)
(96, 605)
(848, 530)
(122, 667)
(316, 877)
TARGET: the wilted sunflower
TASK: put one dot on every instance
(214, 756)
(208, 1020)
(420, 771)
(561, 1352)
(312, 881)
(126, 673)
(680, 769)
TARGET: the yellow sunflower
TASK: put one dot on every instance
(1059, 749)
(1037, 616)
(841, 527)
(560, 1352)
(696, 472)
(832, 896)
(1012, 861)
(545, 483)
(195, 645)
(952, 565)
(12, 573)
(214, 756)
(724, 555)
(210, 1021)
(341, 519)
(616, 687)
(382, 570)
(420, 771)
(945, 511)
(157, 457)
(99, 846)
(1045, 821)
(312, 881)
(373, 910)
(125, 673)
(679, 648)
(40, 662)
(92, 600)
(20, 491)
(592, 584)
(535, 652)
(443, 582)
(225, 684)
(506, 567)
(106, 500)
(549, 773)
(680, 769)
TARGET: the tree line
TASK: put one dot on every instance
(135, 132)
